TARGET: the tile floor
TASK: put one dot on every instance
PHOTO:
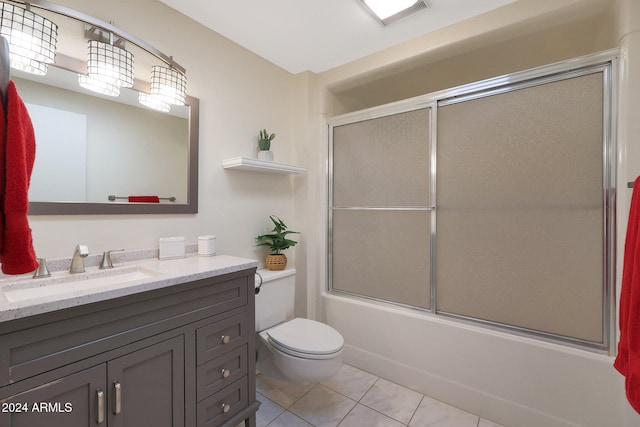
(355, 398)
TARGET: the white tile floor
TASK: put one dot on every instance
(355, 398)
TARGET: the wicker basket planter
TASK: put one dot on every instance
(276, 261)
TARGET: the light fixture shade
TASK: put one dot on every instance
(153, 102)
(110, 64)
(28, 65)
(98, 86)
(389, 11)
(168, 84)
(28, 34)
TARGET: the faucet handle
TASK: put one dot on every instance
(42, 270)
(106, 259)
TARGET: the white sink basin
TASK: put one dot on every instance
(64, 283)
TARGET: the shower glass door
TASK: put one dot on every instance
(381, 208)
(492, 203)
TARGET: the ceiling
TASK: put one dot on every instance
(301, 35)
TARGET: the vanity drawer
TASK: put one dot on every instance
(218, 338)
(223, 405)
(219, 373)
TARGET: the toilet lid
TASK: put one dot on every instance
(307, 337)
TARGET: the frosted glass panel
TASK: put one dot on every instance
(383, 161)
(382, 254)
(520, 208)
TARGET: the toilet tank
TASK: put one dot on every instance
(274, 303)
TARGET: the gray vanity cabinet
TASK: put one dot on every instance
(74, 397)
(181, 356)
(146, 387)
(142, 388)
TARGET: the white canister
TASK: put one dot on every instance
(206, 245)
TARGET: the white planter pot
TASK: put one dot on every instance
(265, 155)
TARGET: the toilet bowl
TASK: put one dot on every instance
(295, 350)
(300, 351)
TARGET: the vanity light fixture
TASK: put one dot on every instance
(27, 65)
(153, 102)
(389, 11)
(169, 85)
(98, 86)
(32, 38)
(110, 64)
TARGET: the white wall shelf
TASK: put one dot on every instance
(254, 165)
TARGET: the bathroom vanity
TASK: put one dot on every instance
(173, 349)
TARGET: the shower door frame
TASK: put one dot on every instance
(605, 62)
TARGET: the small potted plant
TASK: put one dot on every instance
(277, 241)
(264, 144)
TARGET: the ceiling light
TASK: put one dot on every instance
(168, 84)
(109, 63)
(153, 102)
(29, 35)
(388, 11)
(98, 86)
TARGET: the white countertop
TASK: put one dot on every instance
(164, 273)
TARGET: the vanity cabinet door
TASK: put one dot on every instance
(74, 400)
(146, 388)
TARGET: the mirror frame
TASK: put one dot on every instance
(93, 208)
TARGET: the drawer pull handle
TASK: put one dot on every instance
(225, 407)
(225, 373)
(117, 392)
(225, 339)
(100, 396)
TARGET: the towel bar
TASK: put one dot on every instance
(113, 198)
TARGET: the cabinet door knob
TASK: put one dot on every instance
(100, 397)
(225, 339)
(225, 373)
(225, 407)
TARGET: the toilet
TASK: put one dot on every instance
(294, 350)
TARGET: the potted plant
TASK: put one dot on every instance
(277, 241)
(264, 144)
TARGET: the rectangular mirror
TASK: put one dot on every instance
(92, 148)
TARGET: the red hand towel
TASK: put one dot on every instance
(144, 199)
(628, 360)
(19, 146)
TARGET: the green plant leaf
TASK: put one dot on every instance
(276, 239)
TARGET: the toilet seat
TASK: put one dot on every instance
(306, 338)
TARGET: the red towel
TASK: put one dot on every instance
(144, 199)
(628, 360)
(19, 151)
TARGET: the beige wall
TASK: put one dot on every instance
(474, 50)
(239, 93)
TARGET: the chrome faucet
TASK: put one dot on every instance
(77, 262)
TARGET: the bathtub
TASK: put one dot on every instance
(513, 380)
